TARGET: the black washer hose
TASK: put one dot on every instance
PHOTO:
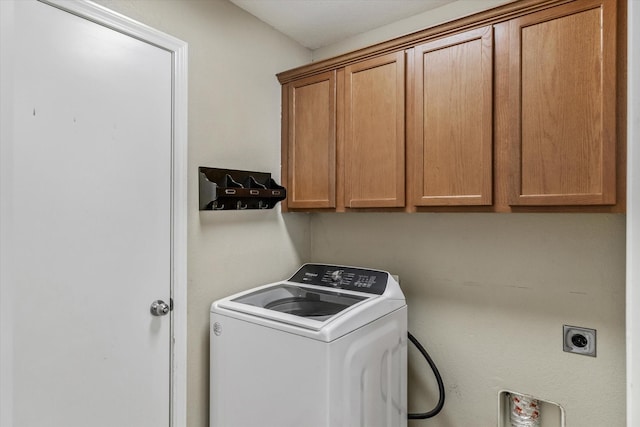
(440, 404)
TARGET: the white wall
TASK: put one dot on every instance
(234, 122)
(633, 219)
(488, 295)
(446, 13)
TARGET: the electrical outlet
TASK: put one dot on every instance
(579, 340)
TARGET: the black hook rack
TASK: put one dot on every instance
(230, 189)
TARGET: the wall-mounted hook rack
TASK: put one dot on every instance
(230, 189)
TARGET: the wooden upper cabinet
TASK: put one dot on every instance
(311, 140)
(562, 89)
(519, 108)
(452, 120)
(374, 132)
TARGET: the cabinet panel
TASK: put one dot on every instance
(312, 142)
(452, 120)
(563, 110)
(374, 132)
(524, 114)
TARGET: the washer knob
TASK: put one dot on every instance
(336, 276)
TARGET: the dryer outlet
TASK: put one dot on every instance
(579, 340)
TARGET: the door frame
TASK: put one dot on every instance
(633, 216)
(178, 317)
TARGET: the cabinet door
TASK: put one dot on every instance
(452, 120)
(374, 132)
(312, 142)
(562, 102)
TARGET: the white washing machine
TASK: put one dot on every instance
(325, 348)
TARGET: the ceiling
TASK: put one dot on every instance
(318, 23)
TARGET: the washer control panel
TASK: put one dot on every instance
(350, 278)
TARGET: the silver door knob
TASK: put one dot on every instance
(159, 308)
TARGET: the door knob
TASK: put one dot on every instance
(159, 308)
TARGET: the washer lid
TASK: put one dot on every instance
(317, 304)
(310, 307)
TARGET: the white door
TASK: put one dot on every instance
(87, 222)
